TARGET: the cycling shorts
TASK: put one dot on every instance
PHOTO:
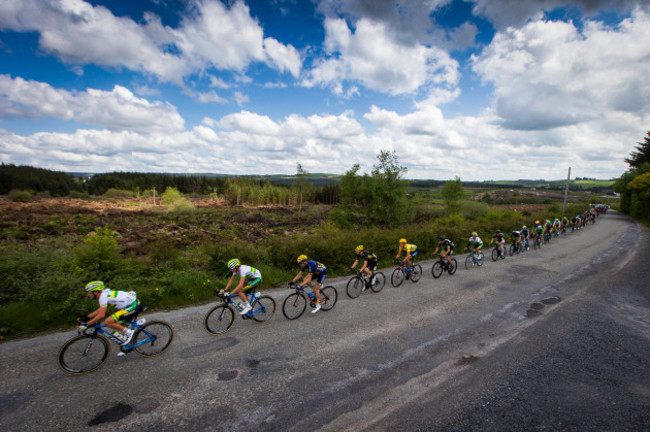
(320, 277)
(372, 265)
(414, 253)
(252, 284)
(130, 308)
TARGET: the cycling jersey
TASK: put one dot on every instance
(249, 272)
(371, 259)
(446, 245)
(500, 238)
(525, 232)
(474, 242)
(515, 234)
(317, 270)
(408, 248)
(125, 302)
(539, 229)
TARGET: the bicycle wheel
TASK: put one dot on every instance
(417, 273)
(495, 254)
(83, 353)
(328, 297)
(454, 266)
(263, 309)
(397, 277)
(355, 287)
(294, 306)
(512, 249)
(153, 338)
(479, 259)
(469, 262)
(219, 319)
(378, 282)
(436, 270)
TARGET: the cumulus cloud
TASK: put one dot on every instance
(118, 109)
(372, 57)
(212, 36)
(549, 74)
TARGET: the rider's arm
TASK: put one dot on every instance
(365, 264)
(97, 315)
(307, 279)
(436, 251)
(356, 261)
(298, 276)
(232, 278)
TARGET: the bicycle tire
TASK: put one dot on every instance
(469, 262)
(380, 281)
(219, 319)
(328, 297)
(479, 260)
(162, 334)
(77, 349)
(263, 309)
(294, 306)
(355, 287)
(436, 270)
(416, 274)
(397, 278)
(512, 249)
(495, 254)
(454, 266)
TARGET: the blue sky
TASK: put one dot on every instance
(498, 89)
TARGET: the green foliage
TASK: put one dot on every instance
(452, 193)
(20, 196)
(642, 155)
(176, 201)
(474, 209)
(36, 180)
(98, 257)
(78, 194)
(631, 198)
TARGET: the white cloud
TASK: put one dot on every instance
(372, 57)
(118, 109)
(213, 36)
(548, 74)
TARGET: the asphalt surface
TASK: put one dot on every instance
(555, 339)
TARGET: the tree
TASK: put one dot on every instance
(301, 185)
(642, 155)
(452, 193)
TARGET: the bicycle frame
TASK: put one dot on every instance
(253, 297)
(100, 329)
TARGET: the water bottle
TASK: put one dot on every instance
(141, 321)
(239, 306)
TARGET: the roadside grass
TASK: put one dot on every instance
(44, 267)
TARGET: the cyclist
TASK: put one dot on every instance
(539, 231)
(548, 227)
(525, 235)
(515, 236)
(250, 276)
(446, 248)
(369, 264)
(565, 223)
(411, 252)
(500, 241)
(315, 270)
(556, 226)
(475, 242)
(125, 302)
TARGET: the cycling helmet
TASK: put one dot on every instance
(233, 264)
(498, 231)
(441, 238)
(302, 258)
(536, 222)
(95, 286)
(402, 240)
(524, 227)
(358, 248)
(474, 234)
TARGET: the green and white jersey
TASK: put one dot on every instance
(249, 272)
(120, 299)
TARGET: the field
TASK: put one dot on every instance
(174, 255)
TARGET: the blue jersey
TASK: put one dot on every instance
(315, 268)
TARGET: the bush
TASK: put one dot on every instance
(178, 203)
(118, 193)
(78, 194)
(20, 196)
(98, 257)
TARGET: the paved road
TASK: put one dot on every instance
(556, 339)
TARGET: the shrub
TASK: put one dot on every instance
(118, 193)
(20, 196)
(98, 257)
(178, 203)
(78, 194)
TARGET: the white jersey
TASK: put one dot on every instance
(120, 299)
(249, 272)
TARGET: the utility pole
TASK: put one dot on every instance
(566, 191)
(154, 195)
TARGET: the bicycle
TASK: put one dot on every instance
(357, 284)
(538, 242)
(89, 350)
(516, 248)
(414, 273)
(295, 304)
(547, 237)
(442, 265)
(474, 260)
(220, 318)
(496, 253)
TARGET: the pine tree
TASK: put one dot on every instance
(642, 155)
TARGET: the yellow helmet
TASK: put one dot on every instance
(358, 248)
(402, 240)
(302, 258)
